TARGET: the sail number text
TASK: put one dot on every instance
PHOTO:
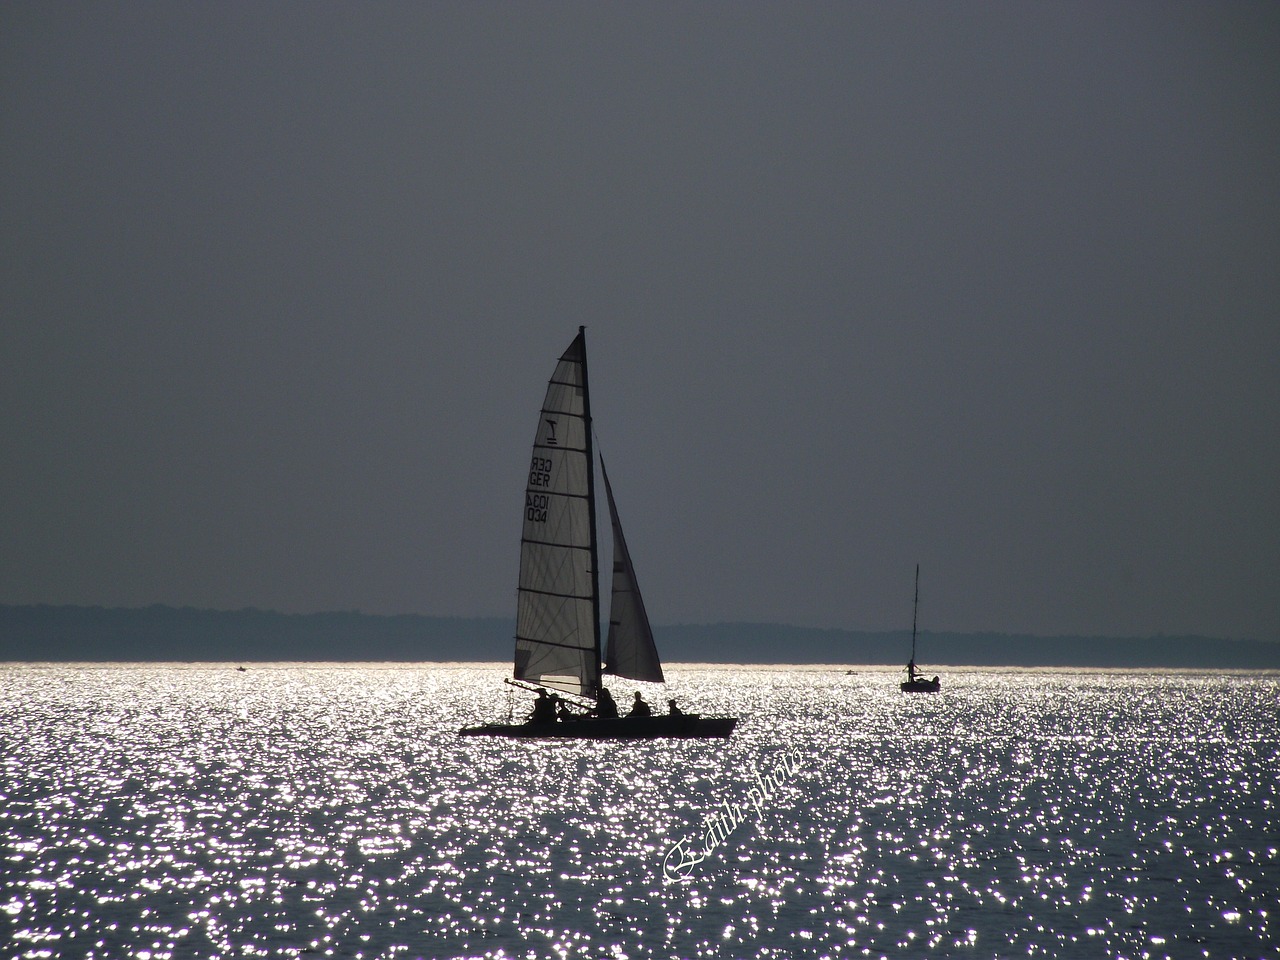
(535, 505)
(540, 472)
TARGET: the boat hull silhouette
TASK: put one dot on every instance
(686, 727)
(921, 685)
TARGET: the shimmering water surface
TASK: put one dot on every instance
(158, 811)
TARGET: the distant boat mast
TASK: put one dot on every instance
(915, 606)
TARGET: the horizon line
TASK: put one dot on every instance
(1161, 635)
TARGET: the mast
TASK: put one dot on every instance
(591, 508)
(915, 606)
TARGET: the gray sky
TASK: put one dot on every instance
(988, 287)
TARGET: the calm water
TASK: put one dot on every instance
(194, 811)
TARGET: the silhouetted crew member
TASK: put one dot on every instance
(606, 709)
(544, 709)
(639, 708)
(673, 710)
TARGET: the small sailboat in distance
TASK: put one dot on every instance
(558, 649)
(917, 682)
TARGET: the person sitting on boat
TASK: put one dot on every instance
(605, 709)
(639, 708)
(544, 708)
(673, 710)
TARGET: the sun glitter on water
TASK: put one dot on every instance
(175, 811)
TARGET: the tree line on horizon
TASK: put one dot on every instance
(160, 633)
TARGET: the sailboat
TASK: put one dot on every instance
(917, 682)
(557, 644)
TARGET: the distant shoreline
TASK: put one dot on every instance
(60, 634)
(835, 670)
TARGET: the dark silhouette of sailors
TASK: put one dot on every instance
(605, 709)
(639, 708)
(673, 710)
(544, 708)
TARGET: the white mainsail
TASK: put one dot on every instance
(632, 652)
(557, 610)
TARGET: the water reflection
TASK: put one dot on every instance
(187, 811)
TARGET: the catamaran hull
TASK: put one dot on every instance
(687, 727)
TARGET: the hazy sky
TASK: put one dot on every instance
(994, 288)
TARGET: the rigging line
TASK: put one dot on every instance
(550, 643)
(548, 492)
(563, 413)
(552, 543)
(553, 593)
